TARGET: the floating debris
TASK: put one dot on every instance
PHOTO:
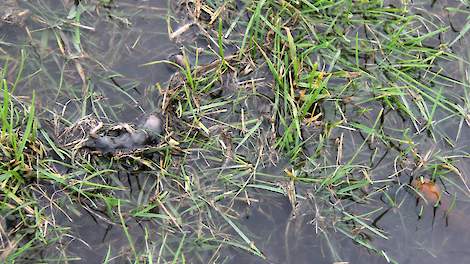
(428, 190)
(11, 13)
(124, 137)
(180, 31)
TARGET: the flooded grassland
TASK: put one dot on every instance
(234, 131)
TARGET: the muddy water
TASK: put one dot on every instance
(114, 45)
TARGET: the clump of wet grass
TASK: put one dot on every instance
(23, 222)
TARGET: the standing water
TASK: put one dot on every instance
(281, 131)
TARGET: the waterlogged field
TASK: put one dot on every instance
(211, 131)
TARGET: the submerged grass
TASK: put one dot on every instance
(361, 70)
(348, 97)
